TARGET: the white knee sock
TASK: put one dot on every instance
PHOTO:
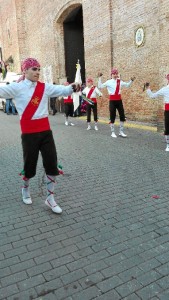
(50, 181)
(167, 139)
(112, 127)
(25, 187)
(121, 126)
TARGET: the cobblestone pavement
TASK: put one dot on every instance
(112, 240)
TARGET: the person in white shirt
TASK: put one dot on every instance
(164, 92)
(31, 99)
(68, 107)
(91, 92)
(114, 86)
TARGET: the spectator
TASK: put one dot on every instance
(10, 104)
(53, 104)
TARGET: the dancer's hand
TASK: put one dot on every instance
(133, 78)
(99, 74)
(146, 86)
(76, 87)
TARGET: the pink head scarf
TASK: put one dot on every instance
(114, 72)
(29, 63)
(89, 80)
(26, 64)
(167, 77)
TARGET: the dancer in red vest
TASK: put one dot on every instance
(31, 98)
(164, 92)
(68, 106)
(91, 92)
(114, 86)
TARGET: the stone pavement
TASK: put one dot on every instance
(112, 240)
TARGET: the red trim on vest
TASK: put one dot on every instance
(68, 100)
(116, 95)
(38, 125)
(94, 100)
(167, 106)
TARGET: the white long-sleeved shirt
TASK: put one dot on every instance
(94, 94)
(22, 93)
(164, 92)
(111, 85)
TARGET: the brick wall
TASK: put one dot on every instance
(109, 27)
(9, 32)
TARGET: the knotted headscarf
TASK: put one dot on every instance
(29, 63)
(89, 80)
(26, 64)
(114, 72)
(167, 77)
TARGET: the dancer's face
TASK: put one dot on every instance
(32, 74)
(114, 76)
(89, 84)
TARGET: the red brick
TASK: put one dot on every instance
(36, 30)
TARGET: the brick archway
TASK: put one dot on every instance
(60, 18)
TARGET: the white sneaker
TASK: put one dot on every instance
(26, 196)
(89, 127)
(53, 205)
(113, 135)
(66, 123)
(167, 148)
(96, 128)
(71, 124)
(121, 133)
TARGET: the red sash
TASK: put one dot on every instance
(68, 100)
(38, 125)
(167, 106)
(116, 95)
(90, 93)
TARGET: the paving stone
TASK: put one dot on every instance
(149, 277)
(164, 295)
(8, 291)
(112, 239)
(109, 284)
(87, 294)
(94, 267)
(26, 295)
(48, 287)
(163, 282)
(72, 276)
(31, 282)
(111, 295)
(149, 291)
(128, 288)
(67, 291)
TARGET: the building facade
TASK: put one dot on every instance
(131, 35)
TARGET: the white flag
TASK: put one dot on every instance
(78, 79)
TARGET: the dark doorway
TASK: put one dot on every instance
(74, 43)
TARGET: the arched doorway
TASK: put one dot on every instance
(74, 43)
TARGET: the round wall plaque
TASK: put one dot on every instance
(139, 36)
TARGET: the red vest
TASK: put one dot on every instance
(166, 106)
(68, 100)
(116, 95)
(38, 125)
(90, 93)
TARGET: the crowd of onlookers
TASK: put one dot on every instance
(56, 105)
